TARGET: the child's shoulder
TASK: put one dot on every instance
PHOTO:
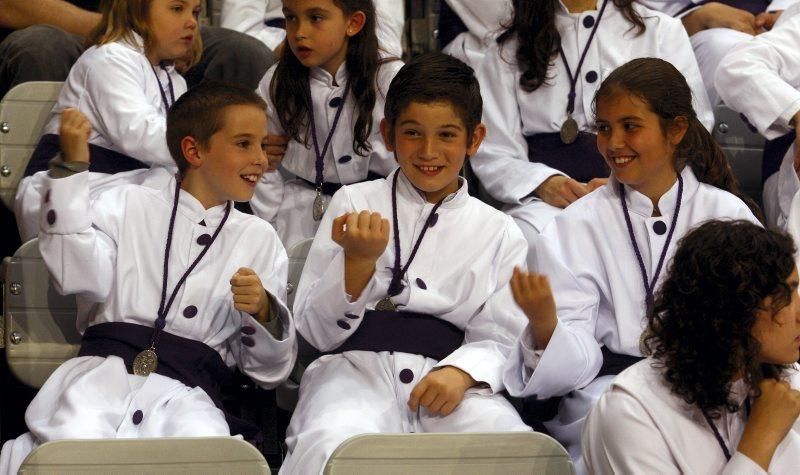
(112, 55)
(250, 225)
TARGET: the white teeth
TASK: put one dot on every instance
(428, 169)
(250, 178)
(622, 160)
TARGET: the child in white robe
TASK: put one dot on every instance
(124, 84)
(539, 80)
(150, 369)
(605, 254)
(325, 95)
(406, 285)
(720, 392)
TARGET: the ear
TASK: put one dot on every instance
(476, 138)
(386, 133)
(191, 151)
(356, 23)
(677, 130)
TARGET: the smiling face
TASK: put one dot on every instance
(431, 143)
(634, 144)
(318, 32)
(173, 28)
(779, 332)
(231, 164)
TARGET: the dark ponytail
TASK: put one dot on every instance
(534, 24)
(659, 84)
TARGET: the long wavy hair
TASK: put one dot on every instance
(700, 326)
(288, 89)
(534, 25)
(664, 89)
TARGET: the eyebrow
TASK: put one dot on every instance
(445, 126)
(310, 11)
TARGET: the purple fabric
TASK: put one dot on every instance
(102, 160)
(406, 376)
(580, 159)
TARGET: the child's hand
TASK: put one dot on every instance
(774, 413)
(441, 391)
(560, 191)
(596, 183)
(74, 134)
(532, 293)
(363, 235)
(249, 295)
(276, 148)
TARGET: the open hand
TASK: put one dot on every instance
(533, 295)
(249, 295)
(560, 191)
(441, 390)
(74, 135)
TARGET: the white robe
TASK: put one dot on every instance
(510, 114)
(710, 45)
(115, 87)
(484, 21)
(460, 274)
(761, 79)
(594, 274)
(250, 16)
(640, 426)
(286, 201)
(110, 253)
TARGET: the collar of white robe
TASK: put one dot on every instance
(717, 435)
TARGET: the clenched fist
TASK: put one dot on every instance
(363, 235)
(774, 413)
(74, 135)
(249, 295)
(533, 295)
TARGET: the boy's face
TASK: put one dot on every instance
(431, 142)
(232, 162)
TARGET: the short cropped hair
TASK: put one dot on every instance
(199, 114)
(435, 77)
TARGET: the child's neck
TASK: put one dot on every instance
(197, 188)
(580, 6)
(332, 67)
(656, 188)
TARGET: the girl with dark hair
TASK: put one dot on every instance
(719, 391)
(326, 95)
(604, 255)
(538, 82)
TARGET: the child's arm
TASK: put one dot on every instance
(533, 295)
(364, 237)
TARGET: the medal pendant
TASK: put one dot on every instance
(318, 209)
(569, 131)
(145, 362)
(385, 305)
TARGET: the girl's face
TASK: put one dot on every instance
(173, 26)
(634, 145)
(779, 333)
(318, 32)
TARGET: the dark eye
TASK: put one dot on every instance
(600, 128)
(243, 144)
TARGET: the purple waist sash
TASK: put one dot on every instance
(101, 160)
(580, 159)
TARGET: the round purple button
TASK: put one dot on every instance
(137, 417)
(421, 284)
(247, 341)
(434, 219)
(190, 311)
(351, 316)
(406, 376)
(51, 217)
(343, 324)
(47, 197)
(204, 239)
(247, 330)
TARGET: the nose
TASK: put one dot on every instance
(300, 32)
(192, 21)
(428, 150)
(616, 139)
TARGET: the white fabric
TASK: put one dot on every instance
(359, 392)
(510, 114)
(587, 255)
(484, 22)
(115, 87)
(110, 253)
(285, 201)
(251, 16)
(761, 79)
(640, 426)
(675, 7)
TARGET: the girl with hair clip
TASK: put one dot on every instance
(325, 95)
(719, 391)
(124, 83)
(538, 82)
(604, 255)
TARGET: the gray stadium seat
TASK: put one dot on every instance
(23, 112)
(505, 453)
(128, 456)
(743, 146)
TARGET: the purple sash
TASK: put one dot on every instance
(580, 159)
(102, 160)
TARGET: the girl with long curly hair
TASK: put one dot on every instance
(719, 391)
(538, 82)
(605, 254)
(326, 96)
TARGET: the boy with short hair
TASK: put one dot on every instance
(407, 284)
(169, 283)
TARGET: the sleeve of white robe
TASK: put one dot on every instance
(268, 195)
(502, 164)
(760, 77)
(269, 360)
(481, 17)
(321, 299)
(619, 436)
(493, 331)
(125, 115)
(77, 239)
(389, 24)
(381, 160)
(248, 16)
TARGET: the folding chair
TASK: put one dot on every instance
(743, 146)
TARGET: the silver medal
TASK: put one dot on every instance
(318, 210)
(569, 131)
(145, 362)
(385, 305)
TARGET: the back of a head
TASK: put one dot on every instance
(431, 78)
(200, 113)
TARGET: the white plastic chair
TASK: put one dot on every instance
(137, 456)
(23, 113)
(506, 453)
